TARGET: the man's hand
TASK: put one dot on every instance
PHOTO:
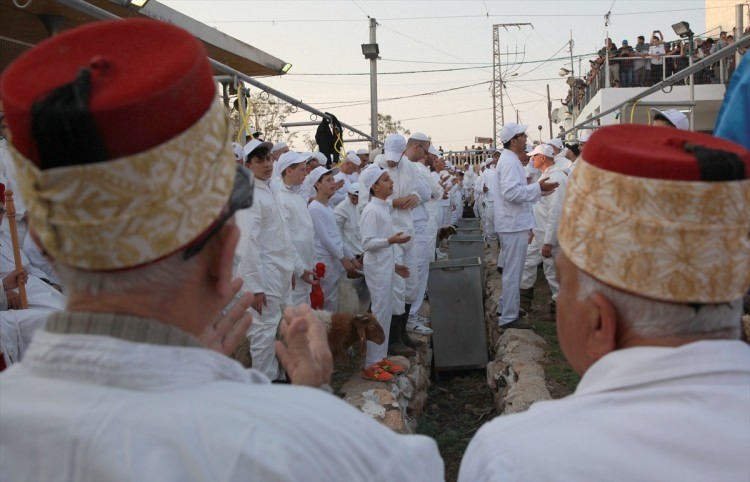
(402, 270)
(309, 277)
(339, 184)
(259, 301)
(548, 187)
(547, 251)
(531, 236)
(14, 300)
(357, 264)
(304, 353)
(399, 238)
(406, 202)
(230, 328)
(15, 278)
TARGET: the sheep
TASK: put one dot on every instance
(346, 329)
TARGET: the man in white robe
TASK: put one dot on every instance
(132, 381)
(649, 321)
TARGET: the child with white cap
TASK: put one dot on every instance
(348, 173)
(291, 168)
(347, 218)
(268, 259)
(380, 266)
(329, 246)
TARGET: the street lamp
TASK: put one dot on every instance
(370, 51)
(540, 133)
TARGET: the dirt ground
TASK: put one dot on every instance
(460, 402)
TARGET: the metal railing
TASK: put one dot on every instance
(473, 157)
(674, 79)
(646, 75)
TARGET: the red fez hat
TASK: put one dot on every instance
(127, 114)
(2, 193)
(660, 212)
(133, 83)
(662, 153)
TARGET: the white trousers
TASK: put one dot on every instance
(405, 290)
(300, 294)
(424, 245)
(513, 248)
(489, 219)
(379, 276)
(533, 258)
(330, 283)
(262, 336)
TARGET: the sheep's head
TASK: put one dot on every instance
(368, 328)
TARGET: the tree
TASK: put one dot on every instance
(266, 114)
(386, 126)
(310, 143)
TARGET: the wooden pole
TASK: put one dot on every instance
(10, 212)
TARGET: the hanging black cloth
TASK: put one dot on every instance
(329, 137)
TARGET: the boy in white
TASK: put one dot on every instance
(267, 259)
(347, 219)
(329, 246)
(380, 266)
(291, 167)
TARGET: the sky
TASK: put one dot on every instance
(454, 37)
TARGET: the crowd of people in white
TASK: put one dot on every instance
(165, 247)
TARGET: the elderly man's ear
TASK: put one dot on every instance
(602, 334)
(221, 259)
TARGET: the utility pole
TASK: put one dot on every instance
(549, 112)
(373, 86)
(498, 109)
(573, 87)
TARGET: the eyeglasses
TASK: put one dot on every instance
(240, 198)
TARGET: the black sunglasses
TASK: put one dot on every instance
(240, 198)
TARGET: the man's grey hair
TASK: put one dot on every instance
(653, 319)
(160, 276)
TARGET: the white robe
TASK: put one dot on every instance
(348, 219)
(379, 266)
(643, 413)
(95, 408)
(299, 223)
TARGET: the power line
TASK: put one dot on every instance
(355, 3)
(453, 69)
(438, 17)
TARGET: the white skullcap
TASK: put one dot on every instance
(319, 172)
(433, 150)
(363, 152)
(289, 159)
(511, 130)
(254, 144)
(556, 142)
(352, 157)
(353, 188)
(370, 176)
(395, 144)
(321, 158)
(543, 149)
(279, 146)
(419, 136)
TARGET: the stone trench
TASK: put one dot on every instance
(515, 374)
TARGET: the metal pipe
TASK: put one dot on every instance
(96, 12)
(696, 67)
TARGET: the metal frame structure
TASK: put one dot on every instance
(99, 13)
